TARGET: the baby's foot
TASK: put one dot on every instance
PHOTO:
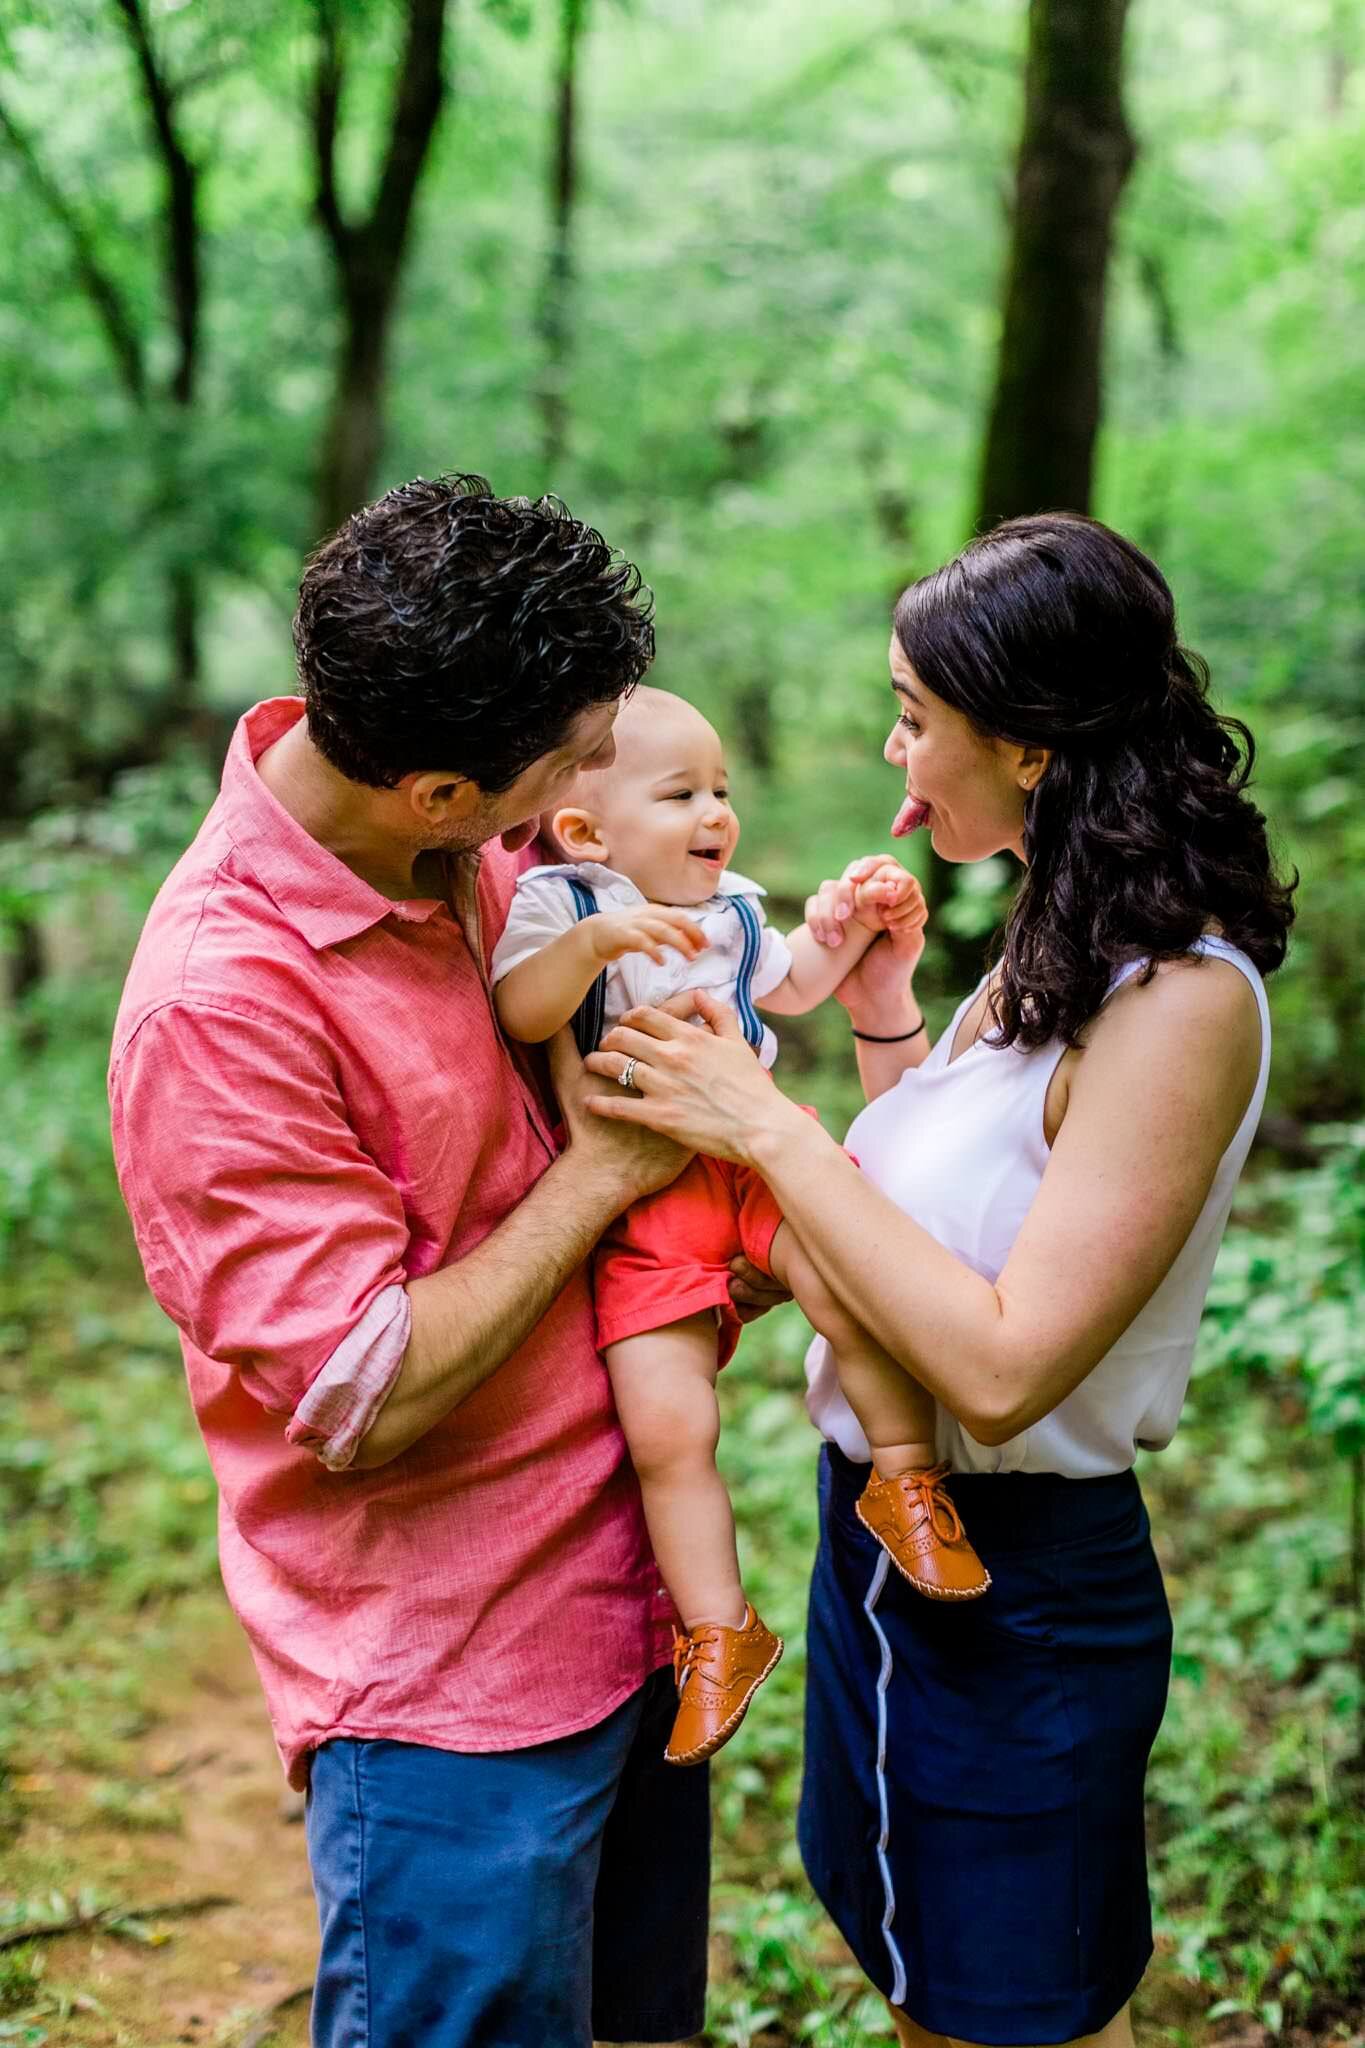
(718, 1671)
(914, 1519)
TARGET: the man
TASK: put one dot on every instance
(348, 1196)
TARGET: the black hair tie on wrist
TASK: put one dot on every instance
(899, 1039)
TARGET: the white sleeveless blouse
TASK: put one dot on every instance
(959, 1145)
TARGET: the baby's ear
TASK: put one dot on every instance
(577, 835)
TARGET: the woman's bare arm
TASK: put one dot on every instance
(1154, 1102)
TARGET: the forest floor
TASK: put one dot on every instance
(205, 1821)
(202, 1819)
(143, 1785)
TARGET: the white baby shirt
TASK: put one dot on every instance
(543, 907)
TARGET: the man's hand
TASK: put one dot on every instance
(629, 1159)
(650, 928)
(753, 1291)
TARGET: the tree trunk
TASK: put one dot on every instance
(354, 436)
(1074, 155)
(555, 309)
(182, 704)
(757, 727)
(368, 254)
(107, 301)
(182, 283)
(1338, 58)
(179, 219)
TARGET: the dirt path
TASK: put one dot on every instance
(209, 1774)
(200, 1812)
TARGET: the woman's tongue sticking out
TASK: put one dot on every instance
(909, 817)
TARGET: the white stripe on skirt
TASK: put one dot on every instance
(883, 1680)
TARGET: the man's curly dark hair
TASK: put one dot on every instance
(445, 628)
(1056, 631)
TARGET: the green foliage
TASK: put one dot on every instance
(786, 271)
(783, 313)
(106, 1507)
(21, 1977)
(81, 880)
(1259, 1872)
(1289, 1295)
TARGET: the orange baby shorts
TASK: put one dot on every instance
(669, 1255)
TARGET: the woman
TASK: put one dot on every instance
(1031, 1233)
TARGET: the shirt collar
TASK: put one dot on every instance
(324, 900)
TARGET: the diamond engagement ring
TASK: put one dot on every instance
(626, 1077)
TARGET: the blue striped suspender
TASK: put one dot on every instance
(591, 1012)
(590, 1015)
(750, 1022)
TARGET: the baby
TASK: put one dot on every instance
(645, 907)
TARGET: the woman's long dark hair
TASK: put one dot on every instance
(1055, 631)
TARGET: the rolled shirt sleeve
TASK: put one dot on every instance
(269, 1236)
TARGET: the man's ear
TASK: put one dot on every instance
(578, 835)
(442, 800)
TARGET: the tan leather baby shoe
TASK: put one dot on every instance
(718, 1671)
(914, 1519)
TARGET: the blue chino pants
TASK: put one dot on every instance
(534, 1898)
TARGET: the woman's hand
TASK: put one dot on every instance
(703, 1088)
(878, 992)
(887, 898)
(877, 893)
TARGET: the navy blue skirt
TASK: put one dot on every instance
(972, 1808)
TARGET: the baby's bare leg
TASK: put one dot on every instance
(665, 1387)
(896, 1413)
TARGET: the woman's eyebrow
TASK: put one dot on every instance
(904, 690)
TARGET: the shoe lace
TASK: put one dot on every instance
(927, 1484)
(687, 1651)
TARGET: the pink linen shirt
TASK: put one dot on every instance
(312, 1105)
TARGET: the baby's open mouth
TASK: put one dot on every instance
(711, 853)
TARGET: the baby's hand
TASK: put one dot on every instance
(649, 929)
(885, 897)
(875, 892)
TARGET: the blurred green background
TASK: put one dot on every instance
(747, 286)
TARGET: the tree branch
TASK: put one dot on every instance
(181, 228)
(368, 253)
(110, 306)
(416, 110)
(327, 87)
(126, 1920)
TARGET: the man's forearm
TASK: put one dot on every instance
(468, 1319)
